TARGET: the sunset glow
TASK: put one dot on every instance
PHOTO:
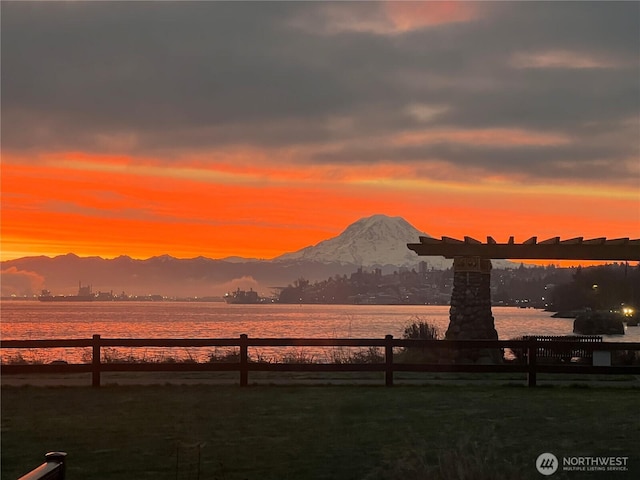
(149, 211)
(172, 145)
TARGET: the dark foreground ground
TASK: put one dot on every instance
(317, 432)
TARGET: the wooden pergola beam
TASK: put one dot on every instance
(617, 249)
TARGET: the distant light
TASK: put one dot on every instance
(628, 311)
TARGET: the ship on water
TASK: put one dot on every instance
(242, 297)
(84, 295)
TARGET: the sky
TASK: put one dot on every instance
(255, 129)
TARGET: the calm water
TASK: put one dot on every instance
(36, 320)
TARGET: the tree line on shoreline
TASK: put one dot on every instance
(548, 287)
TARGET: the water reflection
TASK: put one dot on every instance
(35, 320)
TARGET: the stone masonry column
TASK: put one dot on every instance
(470, 316)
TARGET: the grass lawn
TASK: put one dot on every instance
(318, 432)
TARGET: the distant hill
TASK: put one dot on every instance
(164, 275)
(376, 241)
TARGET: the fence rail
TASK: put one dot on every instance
(52, 469)
(534, 350)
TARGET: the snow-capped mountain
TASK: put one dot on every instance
(376, 241)
(372, 241)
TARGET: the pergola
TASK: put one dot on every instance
(470, 316)
(621, 249)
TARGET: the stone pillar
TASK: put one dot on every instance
(470, 316)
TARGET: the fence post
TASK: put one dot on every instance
(60, 459)
(532, 360)
(95, 362)
(244, 360)
(53, 468)
(388, 360)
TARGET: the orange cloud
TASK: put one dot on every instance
(563, 59)
(388, 18)
(485, 136)
(412, 15)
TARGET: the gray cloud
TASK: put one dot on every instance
(158, 77)
(581, 162)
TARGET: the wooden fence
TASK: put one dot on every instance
(531, 366)
(52, 469)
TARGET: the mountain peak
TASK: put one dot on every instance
(375, 240)
(380, 221)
